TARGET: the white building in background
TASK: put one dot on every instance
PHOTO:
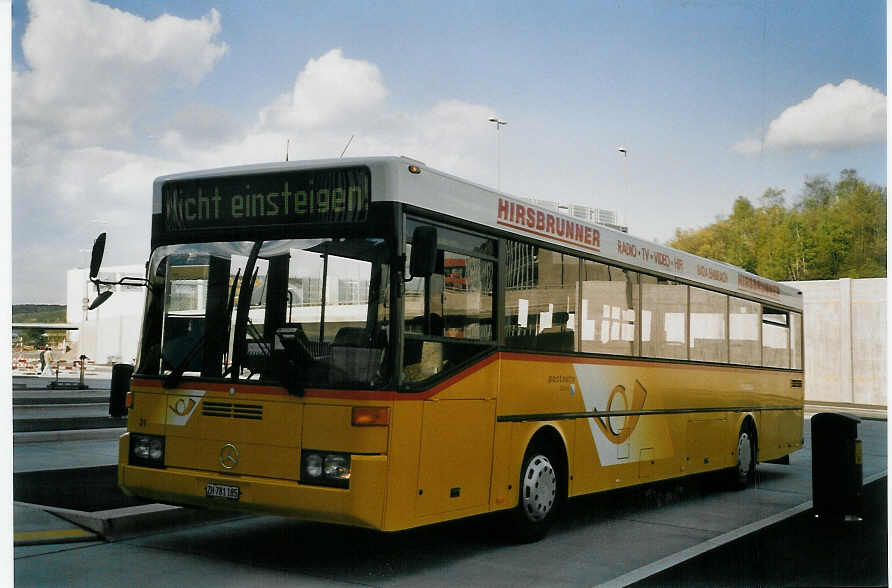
(601, 216)
(110, 333)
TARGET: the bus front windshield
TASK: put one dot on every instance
(296, 313)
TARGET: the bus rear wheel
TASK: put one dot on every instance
(541, 494)
(743, 473)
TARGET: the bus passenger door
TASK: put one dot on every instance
(456, 455)
(448, 338)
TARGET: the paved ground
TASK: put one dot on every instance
(612, 538)
(801, 551)
(97, 380)
(31, 457)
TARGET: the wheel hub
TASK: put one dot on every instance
(539, 488)
(744, 455)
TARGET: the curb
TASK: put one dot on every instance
(132, 521)
(72, 435)
(864, 411)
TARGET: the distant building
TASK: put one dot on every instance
(110, 333)
(601, 216)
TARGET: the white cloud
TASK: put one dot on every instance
(92, 69)
(748, 146)
(333, 98)
(91, 73)
(62, 189)
(329, 90)
(81, 185)
(834, 117)
(60, 207)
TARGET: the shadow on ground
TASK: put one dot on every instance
(85, 489)
(801, 551)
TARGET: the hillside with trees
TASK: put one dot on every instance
(38, 313)
(834, 230)
(35, 313)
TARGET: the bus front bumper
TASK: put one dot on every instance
(362, 504)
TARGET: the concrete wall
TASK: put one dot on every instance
(845, 340)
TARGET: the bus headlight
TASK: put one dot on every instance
(313, 465)
(337, 466)
(325, 468)
(146, 450)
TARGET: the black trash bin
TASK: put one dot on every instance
(836, 476)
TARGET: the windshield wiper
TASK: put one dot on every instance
(174, 377)
(239, 345)
(229, 306)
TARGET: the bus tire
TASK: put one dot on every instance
(540, 495)
(744, 471)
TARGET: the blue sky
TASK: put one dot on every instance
(712, 100)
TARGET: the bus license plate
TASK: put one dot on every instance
(222, 491)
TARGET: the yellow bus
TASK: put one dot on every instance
(372, 342)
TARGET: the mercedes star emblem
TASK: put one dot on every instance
(229, 456)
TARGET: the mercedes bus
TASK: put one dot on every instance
(373, 342)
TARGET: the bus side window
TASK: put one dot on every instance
(458, 298)
(608, 309)
(540, 298)
(664, 305)
(744, 332)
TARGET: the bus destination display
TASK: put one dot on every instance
(339, 195)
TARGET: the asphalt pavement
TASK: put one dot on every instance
(800, 551)
(65, 493)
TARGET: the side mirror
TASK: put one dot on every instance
(120, 386)
(98, 252)
(103, 296)
(424, 252)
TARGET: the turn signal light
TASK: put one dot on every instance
(128, 400)
(370, 416)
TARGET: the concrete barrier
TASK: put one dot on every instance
(845, 341)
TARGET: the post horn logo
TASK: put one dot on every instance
(619, 427)
(229, 456)
(181, 408)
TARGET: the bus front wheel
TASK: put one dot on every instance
(541, 494)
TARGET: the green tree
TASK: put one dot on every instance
(836, 229)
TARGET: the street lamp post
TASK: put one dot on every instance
(625, 153)
(499, 124)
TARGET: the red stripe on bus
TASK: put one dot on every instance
(389, 395)
(374, 395)
(335, 393)
(217, 387)
(461, 375)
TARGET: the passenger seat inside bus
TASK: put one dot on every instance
(423, 359)
(358, 353)
(557, 337)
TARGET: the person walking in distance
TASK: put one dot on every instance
(46, 359)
